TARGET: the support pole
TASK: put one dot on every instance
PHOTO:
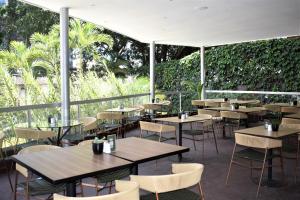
(152, 74)
(64, 64)
(202, 72)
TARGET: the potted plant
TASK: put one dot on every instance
(236, 106)
(275, 119)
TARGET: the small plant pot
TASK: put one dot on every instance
(236, 106)
(275, 127)
(98, 148)
(225, 99)
(179, 115)
(295, 103)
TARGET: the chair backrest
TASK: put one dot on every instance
(127, 190)
(212, 104)
(198, 103)
(153, 107)
(85, 142)
(212, 113)
(150, 126)
(32, 149)
(225, 104)
(233, 115)
(33, 134)
(110, 116)
(89, 123)
(184, 176)
(290, 109)
(272, 107)
(256, 142)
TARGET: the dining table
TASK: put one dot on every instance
(261, 131)
(293, 116)
(70, 164)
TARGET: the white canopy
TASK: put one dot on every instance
(188, 22)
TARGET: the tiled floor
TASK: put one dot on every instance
(213, 180)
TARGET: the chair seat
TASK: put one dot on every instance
(252, 154)
(183, 194)
(192, 132)
(155, 137)
(112, 176)
(41, 187)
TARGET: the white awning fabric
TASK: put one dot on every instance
(187, 22)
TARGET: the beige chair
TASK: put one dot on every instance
(104, 177)
(157, 130)
(233, 119)
(250, 153)
(225, 105)
(293, 124)
(35, 186)
(89, 124)
(212, 104)
(290, 110)
(272, 107)
(173, 186)
(4, 166)
(198, 103)
(31, 136)
(111, 121)
(127, 190)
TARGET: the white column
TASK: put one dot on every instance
(64, 64)
(152, 74)
(202, 71)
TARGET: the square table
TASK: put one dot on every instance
(241, 110)
(261, 131)
(67, 165)
(139, 150)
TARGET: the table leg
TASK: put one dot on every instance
(135, 170)
(246, 123)
(270, 169)
(58, 136)
(180, 139)
(71, 189)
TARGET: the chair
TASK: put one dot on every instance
(290, 110)
(127, 190)
(272, 107)
(35, 186)
(2, 159)
(32, 137)
(158, 130)
(201, 128)
(112, 121)
(216, 116)
(293, 124)
(225, 105)
(198, 103)
(250, 153)
(105, 177)
(151, 109)
(232, 119)
(212, 104)
(173, 186)
(165, 109)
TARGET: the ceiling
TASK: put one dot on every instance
(188, 22)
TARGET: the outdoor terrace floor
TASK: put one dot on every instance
(213, 180)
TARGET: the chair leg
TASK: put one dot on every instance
(251, 169)
(175, 137)
(156, 194)
(281, 166)
(200, 191)
(97, 190)
(203, 144)
(297, 160)
(262, 173)
(194, 142)
(81, 188)
(110, 187)
(215, 139)
(230, 165)
(15, 188)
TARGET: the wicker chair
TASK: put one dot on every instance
(112, 121)
(293, 124)
(35, 186)
(250, 153)
(173, 186)
(212, 104)
(2, 159)
(232, 119)
(127, 190)
(157, 130)
(32, 137)
(106, 178)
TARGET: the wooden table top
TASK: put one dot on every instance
(242, 110)
(243, 101)
(190, 119)
(69, 164)
(284, 105)
(210, 100)
(293, 116)
(140, 150)
(262, 132)
(122, 110)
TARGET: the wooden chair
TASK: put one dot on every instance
(232, 119)
(127, 190)
(173, 186)
(32, 137)
(290, 110)
(250, 153)
(293, 124)
(35, 186)
(3, 160)
(112, 121)
(157, 130)
(212, 104)
(200, 129)
(106, 178)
